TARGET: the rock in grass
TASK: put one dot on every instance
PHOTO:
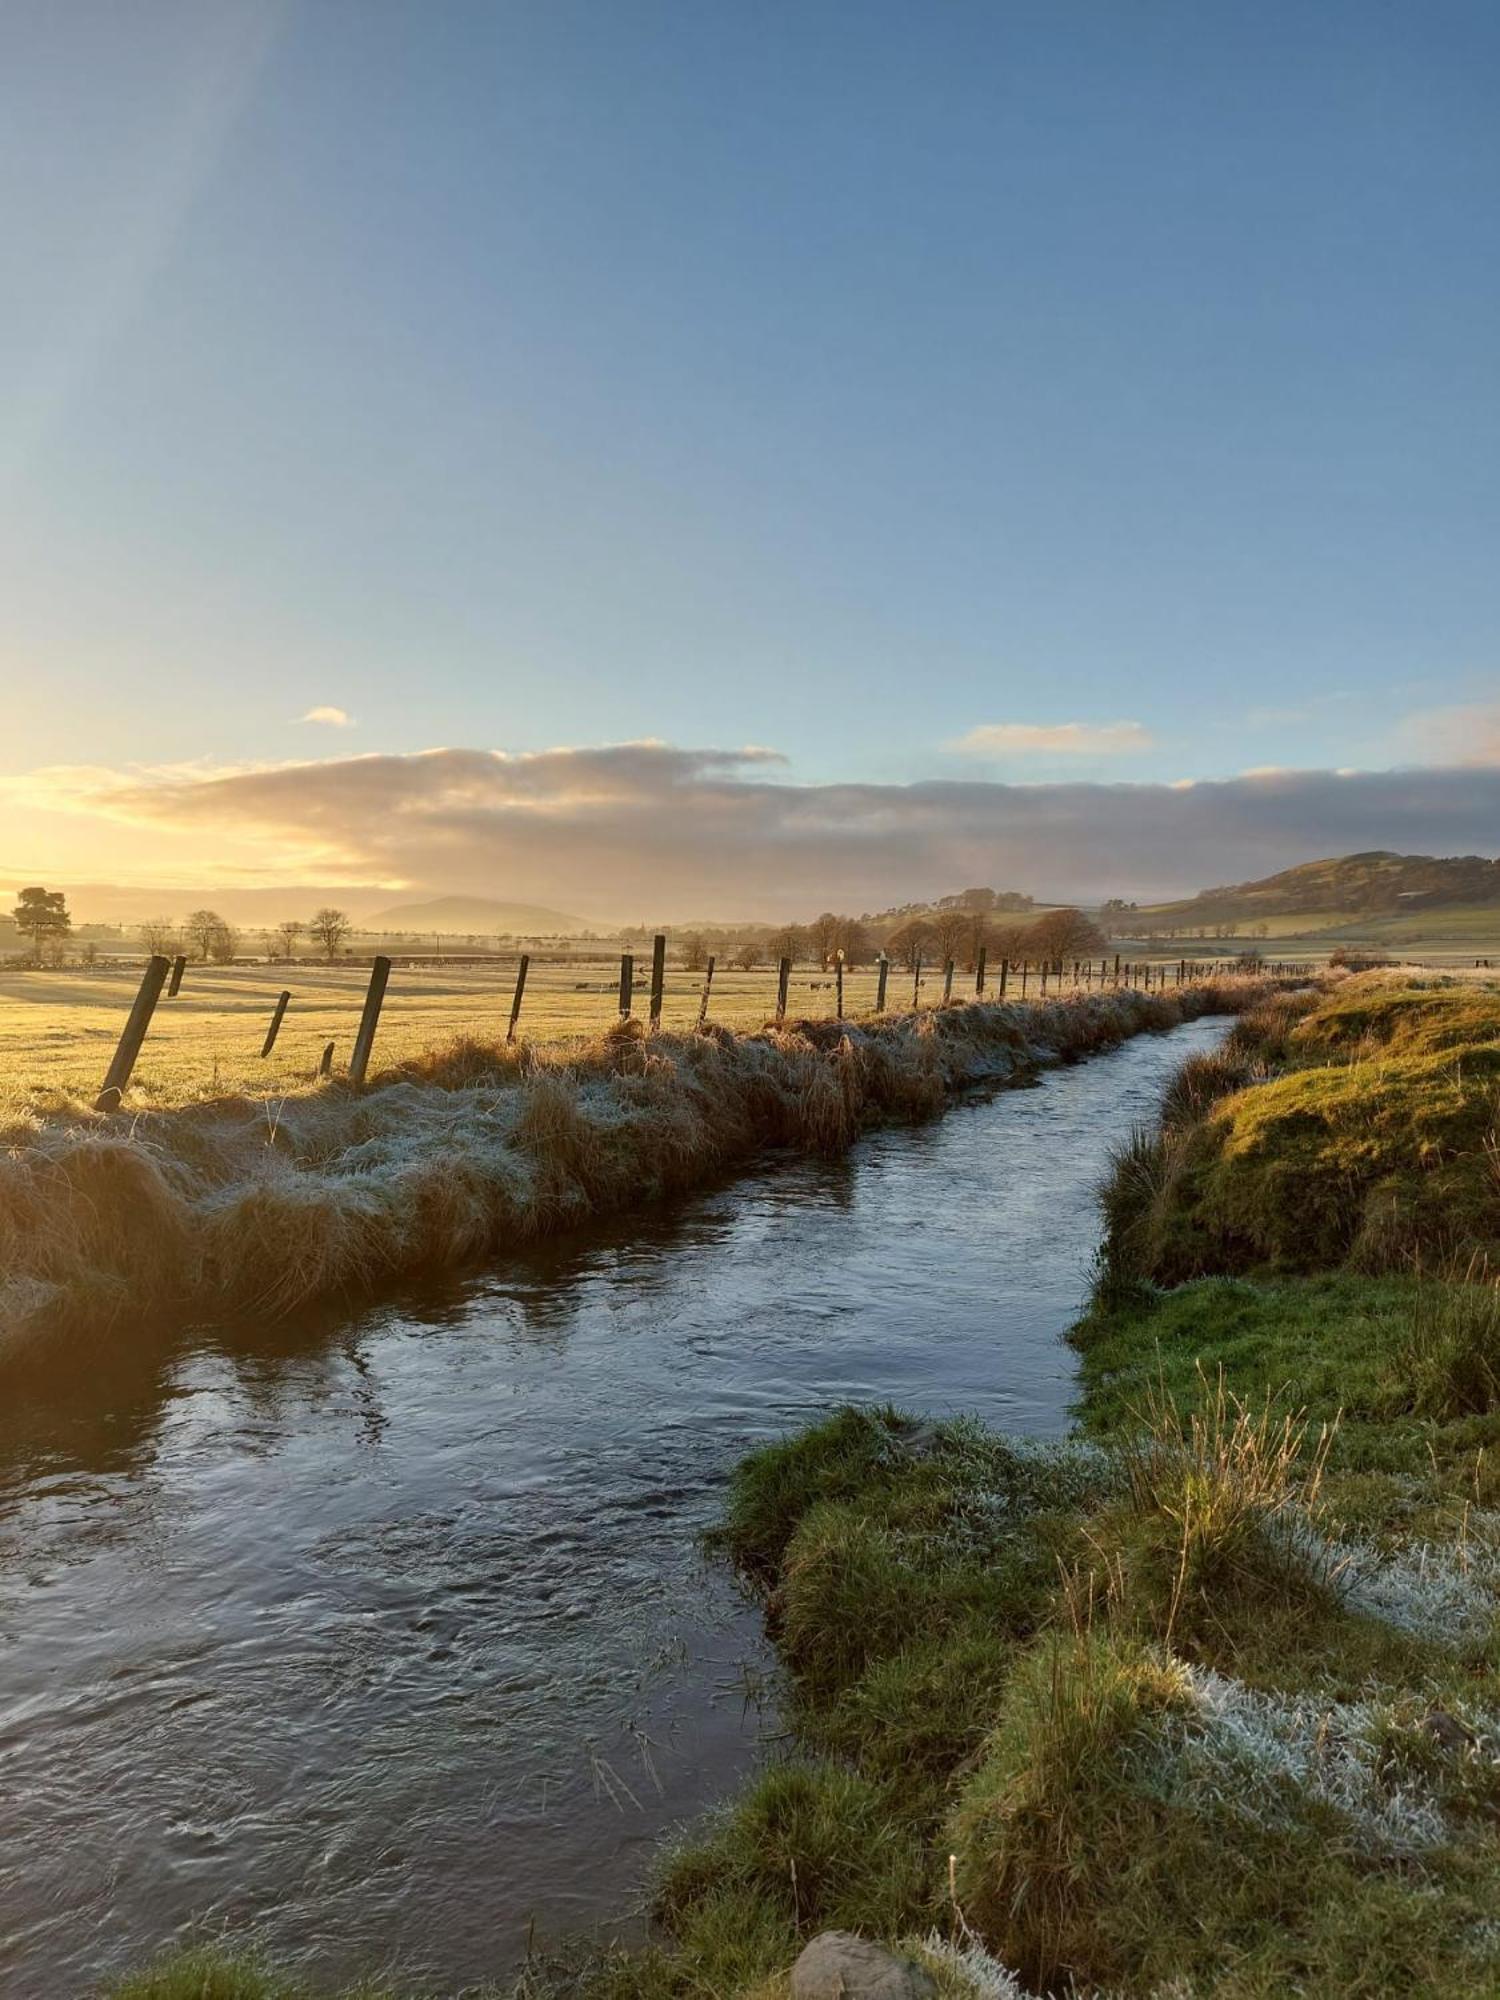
(839, 1966)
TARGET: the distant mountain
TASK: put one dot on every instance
(1360, 885)
(475, 916)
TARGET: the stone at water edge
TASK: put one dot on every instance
(839, 1966)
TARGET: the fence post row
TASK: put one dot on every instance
(627, 983)
(783, 979)
(658, 976)
(369, 1020)
(708, 981)
(137, 1022)
(515, 1006)
(275, 1028)
(882, 967)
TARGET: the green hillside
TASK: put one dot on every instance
(1330, 893)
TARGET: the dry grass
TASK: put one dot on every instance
(262, 1204)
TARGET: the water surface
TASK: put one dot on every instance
(379, 1638)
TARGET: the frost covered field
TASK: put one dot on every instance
(59, 1029)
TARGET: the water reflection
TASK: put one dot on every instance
(379, 1636)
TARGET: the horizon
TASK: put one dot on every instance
(1058, 449)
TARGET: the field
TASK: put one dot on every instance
(58, 1030)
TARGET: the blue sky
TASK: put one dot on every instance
(844, 379)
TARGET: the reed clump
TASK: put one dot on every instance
(243, 1204)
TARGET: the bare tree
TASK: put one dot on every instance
(748, 954)
(853, 940)
(950, 931)
(908, 943)
(823, 934)
(204, 932)
(330, 927)
(159, 936)
(791, 941)
(1066, 934)
(694, 948)
(286, 936)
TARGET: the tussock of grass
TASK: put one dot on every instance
(264, 1206)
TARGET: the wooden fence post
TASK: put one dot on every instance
(838, 985)
(325, 1065)
(979, 957)
(1117, 968)
(137, 1022)
(179, 966)
(627, 983)
(275, 1028)
(916, 981)
(783, 981)
(515, 1006)
(658, 976)
(1025, 968)
(1004, 976)
(948, 981)
(1044, 978)
(369, 1020)
(708, 980)
(882, 969)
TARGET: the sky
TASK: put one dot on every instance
(661, 458)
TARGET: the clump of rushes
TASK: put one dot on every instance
(1214, 1527)
(1448, 1365)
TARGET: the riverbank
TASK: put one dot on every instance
(263, 1206)
(1205, 1701)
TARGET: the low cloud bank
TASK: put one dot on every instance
(648, 829)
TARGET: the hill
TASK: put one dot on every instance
(468, 916)
(1375, 884)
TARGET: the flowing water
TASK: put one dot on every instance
(376, 1639)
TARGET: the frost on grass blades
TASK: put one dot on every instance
(234, 1205)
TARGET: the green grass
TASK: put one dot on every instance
(1374, 1147)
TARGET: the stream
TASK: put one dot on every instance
(376, 1639)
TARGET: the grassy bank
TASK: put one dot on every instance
(262, 1205)
(1200, 1703)
(1360, 1133)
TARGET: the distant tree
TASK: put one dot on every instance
(204, 932)
(224, 943)
(159, 936)
(88, 953)
(791, 941)
(1066, 934)
(330, 927)
(693, 946)
(822, 936)
(853, 940)
(950, 931)
(286, 936)
(910, 942)
(748, 954)
(42, 916)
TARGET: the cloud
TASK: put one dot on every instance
(1055, 739)
(335, 718)
(1467, 734)
(650, 830)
